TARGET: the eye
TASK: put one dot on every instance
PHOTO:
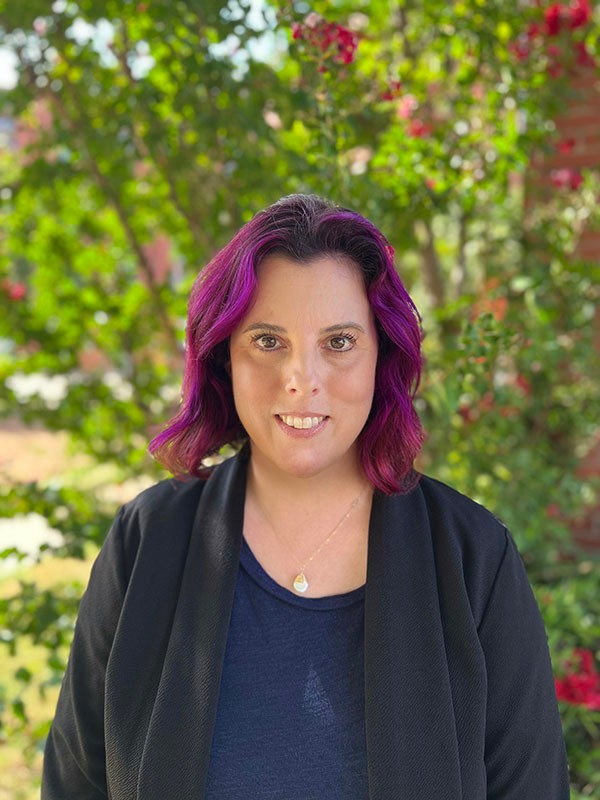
(265, 341)
(343, 342)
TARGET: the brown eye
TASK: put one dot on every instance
(265, 341)
(342, 343)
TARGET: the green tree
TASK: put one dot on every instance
(140, 120)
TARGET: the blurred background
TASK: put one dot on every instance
(137, 137)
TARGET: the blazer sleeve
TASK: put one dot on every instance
(524, 750)
(74, 755)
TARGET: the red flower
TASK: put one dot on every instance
(554, 16)
(466, 413)
(554, 54)
(419, 129)
(554, 51)
(555, 70)
(583, 58)
(329, 38)
(553, 510)
(581, 684)
(392, 91)
(520, 48)
(521, 381)
(565, 145)
(566, 178)
(559, 17)
(581, 12)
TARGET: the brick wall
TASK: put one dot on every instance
(578, 129)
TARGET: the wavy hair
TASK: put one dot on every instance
(302, 227)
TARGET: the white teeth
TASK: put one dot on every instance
(298, 422)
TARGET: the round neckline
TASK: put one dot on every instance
(256, 571)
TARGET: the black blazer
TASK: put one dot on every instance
(460, 700)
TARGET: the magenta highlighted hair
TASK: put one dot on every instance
(302, 227)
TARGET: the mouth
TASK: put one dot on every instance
(301, 423)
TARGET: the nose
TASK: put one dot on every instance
(301, 375)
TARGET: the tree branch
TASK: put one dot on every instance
(75, 125)
(432, 268)
(146, 151)
(460, 272)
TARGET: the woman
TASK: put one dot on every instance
(311, 618)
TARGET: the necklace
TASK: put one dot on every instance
(300, 583)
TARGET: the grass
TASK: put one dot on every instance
(20, 769)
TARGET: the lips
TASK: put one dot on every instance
(301, 423)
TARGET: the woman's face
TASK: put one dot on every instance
(303, 366)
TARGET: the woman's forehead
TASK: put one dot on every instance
(278, 272)
(323, 293)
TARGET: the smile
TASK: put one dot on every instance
(301, 423)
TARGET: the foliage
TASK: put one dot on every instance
(149, 128)
(571, 610)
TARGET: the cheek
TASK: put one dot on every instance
(249, 379)
(356, 384)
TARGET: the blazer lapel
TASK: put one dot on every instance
(411, 734)
(177, 751)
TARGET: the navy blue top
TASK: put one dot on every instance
(290, 719)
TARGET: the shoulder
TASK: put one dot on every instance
(163, 497)
(464, 513)
(447, 505)
(470, 542)
(162, 513)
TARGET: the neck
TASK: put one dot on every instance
(283, 494)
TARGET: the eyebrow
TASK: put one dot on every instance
(266, 326)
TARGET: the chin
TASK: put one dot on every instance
(308, 465)
(304, 470)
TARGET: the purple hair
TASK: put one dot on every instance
(302, 227)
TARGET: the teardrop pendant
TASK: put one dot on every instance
(300, 583)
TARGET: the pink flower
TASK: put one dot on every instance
(312, 20)
(407, 105)
(14, 291)
(566, 178)
(40, 26)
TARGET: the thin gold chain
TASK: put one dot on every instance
(353, 505)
